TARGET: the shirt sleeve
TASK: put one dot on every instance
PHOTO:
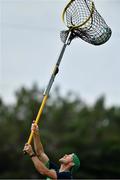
(63, 175)
(60, 175)
(51, 165)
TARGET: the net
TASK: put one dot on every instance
(84, 21)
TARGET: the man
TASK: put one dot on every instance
(69, 163)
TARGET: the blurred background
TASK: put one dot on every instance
(82, 114)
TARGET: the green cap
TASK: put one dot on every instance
(76, 162)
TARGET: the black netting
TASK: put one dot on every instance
(85, 22)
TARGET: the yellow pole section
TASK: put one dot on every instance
(38, 116)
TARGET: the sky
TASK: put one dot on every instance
(30, 46)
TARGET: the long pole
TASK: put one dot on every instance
(47, 90)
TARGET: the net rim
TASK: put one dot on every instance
(80, 25)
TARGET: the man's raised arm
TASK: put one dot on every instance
(40, 167)
(37, 144)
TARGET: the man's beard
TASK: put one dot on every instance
(62, 161)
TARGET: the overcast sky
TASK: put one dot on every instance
(30, 45)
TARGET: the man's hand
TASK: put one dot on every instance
(34, 128)
(28, 149)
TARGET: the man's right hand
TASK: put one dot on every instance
(28, 149)
(34, 128)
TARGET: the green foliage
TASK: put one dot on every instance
(67, 125)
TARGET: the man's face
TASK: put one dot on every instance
(67, 158)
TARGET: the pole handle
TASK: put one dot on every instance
(38, 117)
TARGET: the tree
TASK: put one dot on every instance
(67, 125)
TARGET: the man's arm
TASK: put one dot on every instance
(38, 145)
(40, 167)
